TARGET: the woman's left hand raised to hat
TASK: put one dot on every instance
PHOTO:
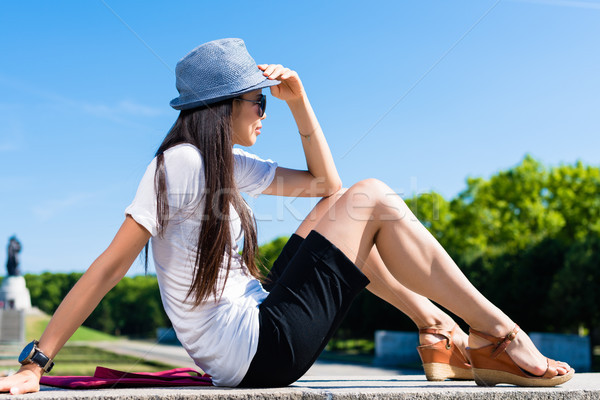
(290, 87)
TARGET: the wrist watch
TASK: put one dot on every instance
(31, 353)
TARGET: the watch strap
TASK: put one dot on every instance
(42, 360)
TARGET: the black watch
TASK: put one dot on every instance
(31, 353)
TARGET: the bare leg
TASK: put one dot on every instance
(370, 213)
(419, 309)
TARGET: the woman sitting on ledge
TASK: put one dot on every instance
(246, 331)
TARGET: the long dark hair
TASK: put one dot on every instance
(209, 129)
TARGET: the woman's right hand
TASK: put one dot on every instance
(290, 87)
(26, 380)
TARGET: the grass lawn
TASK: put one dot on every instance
(35, 325)
(349, 350)
(83, 360)
(352, 346)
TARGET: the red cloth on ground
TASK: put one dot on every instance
(112, 378)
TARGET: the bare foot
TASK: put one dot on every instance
(523, 352)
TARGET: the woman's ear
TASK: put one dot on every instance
(235, 109)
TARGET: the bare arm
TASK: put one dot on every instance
(322, 178)
(104, 273)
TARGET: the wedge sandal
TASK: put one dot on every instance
(443, 360)
(492, 365)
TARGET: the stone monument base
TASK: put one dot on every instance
(14, 294)
(12, 326)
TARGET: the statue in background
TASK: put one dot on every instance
(14, 248)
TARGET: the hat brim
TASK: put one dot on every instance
(176, 104)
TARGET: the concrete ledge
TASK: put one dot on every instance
(581, 387)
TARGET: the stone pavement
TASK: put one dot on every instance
(581, 387)
(325, 380)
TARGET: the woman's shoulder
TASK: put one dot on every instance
(243, 156)
(237, 153)
(184, 155)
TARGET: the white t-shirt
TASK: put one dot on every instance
(220, 335)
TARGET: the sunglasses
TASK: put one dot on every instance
(262, 104)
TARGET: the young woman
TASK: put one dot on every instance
(251, 334)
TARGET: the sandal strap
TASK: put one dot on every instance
(552, 369)
(442, 332)
(434, 331)
(500, 342)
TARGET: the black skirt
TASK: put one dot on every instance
(311, 286)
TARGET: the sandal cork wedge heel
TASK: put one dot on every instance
(492, 365)
(443, 360)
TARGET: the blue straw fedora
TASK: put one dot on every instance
(216, 71)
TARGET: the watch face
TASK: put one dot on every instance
(26, 352)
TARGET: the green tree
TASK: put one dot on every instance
(575, 293)
(268, 253)
(136, 306)
(574, 192)
(512, 234)
(133, 307)
(505, 214)
(48, 289)
(434, 212)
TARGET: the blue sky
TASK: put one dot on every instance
(420, 94)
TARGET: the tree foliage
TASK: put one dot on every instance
(505, 214)
(133, 307)
(528, 239)
(268, 253)
(574, 294)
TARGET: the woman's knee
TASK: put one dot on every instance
(371, 189)
(377, 196)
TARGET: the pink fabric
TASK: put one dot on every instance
(111, 378)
